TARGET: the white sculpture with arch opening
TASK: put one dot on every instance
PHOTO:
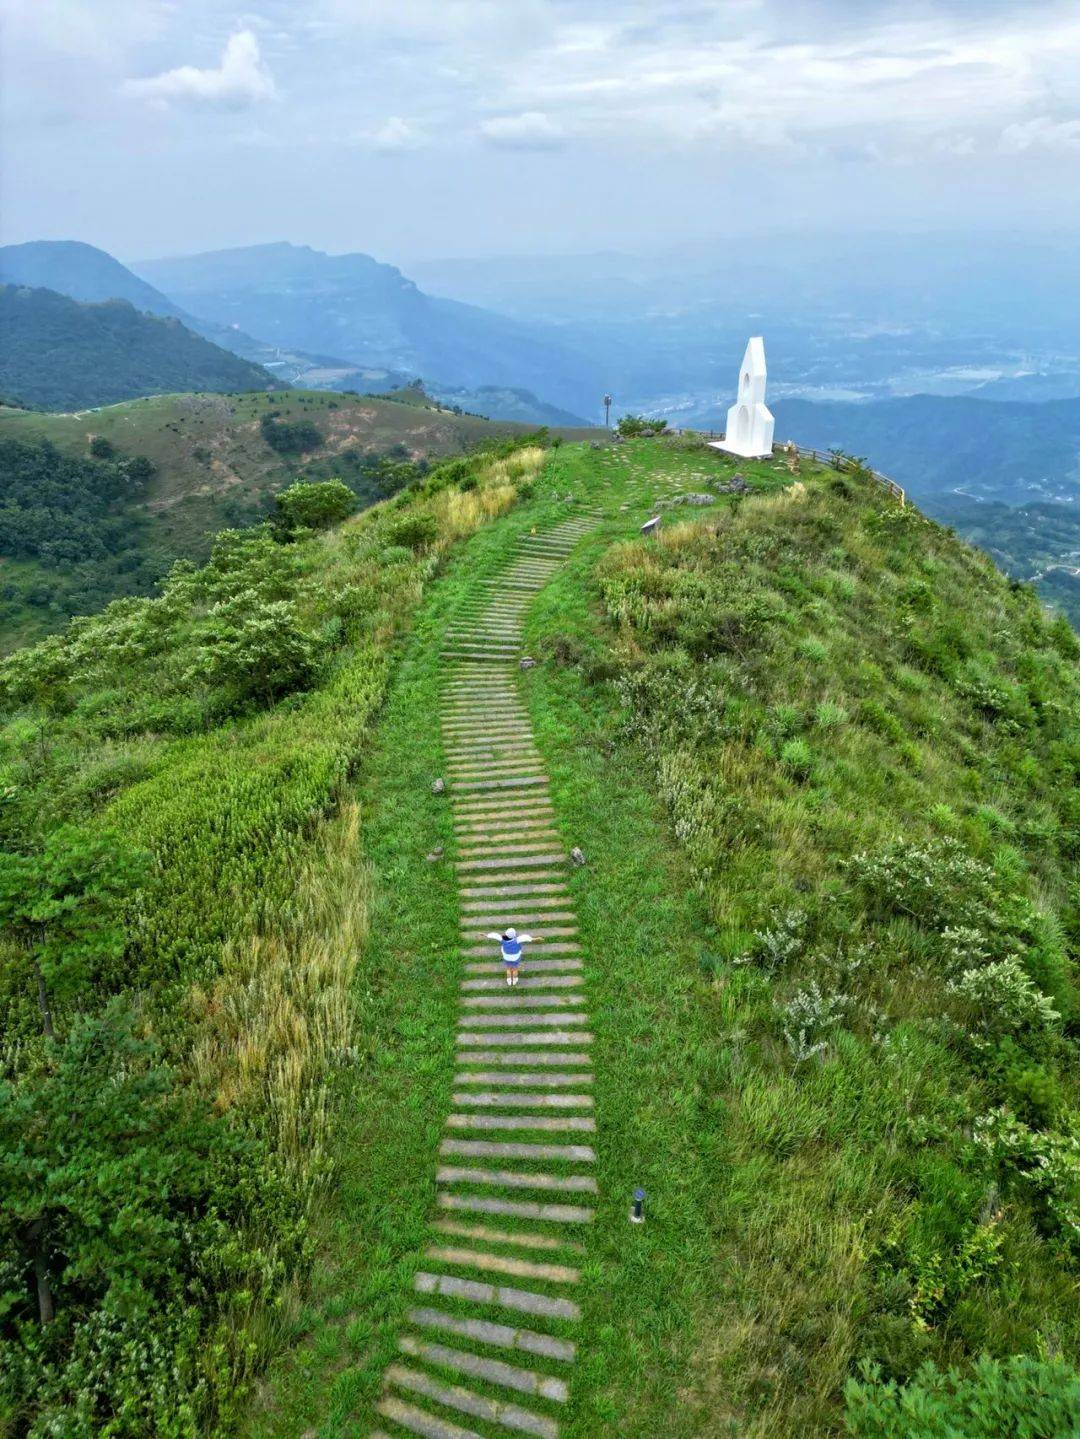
(749, 431)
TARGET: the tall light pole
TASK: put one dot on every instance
(607, 412)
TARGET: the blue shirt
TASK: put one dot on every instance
(511, 951)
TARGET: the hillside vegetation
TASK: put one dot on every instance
(62, 354)
(821, 758)
(200, 462)
(183, 899)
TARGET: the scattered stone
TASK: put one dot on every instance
(701, 498)
(439, 787)
(435, 854)
(576, 856)
(527, 663)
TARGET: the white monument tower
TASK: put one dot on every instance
(749, 421)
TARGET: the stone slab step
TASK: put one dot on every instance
(551, 856)
(514, 1179)
(558, 1059)
(541, 896)
(492, 657)
(518, 914)
(520, 1021)
(523, 842)
(500, 1149)
(514, 1208)
(549, 879)
(522, 1081)
(539, 936)
(502, 890)
(504, 1295)
(558, 946)
(455, 1396)
(419, 1421)
(500, 1099)
(537, 810)
(514, 1001)
(527, 983)
(540, 1123)
(503, 768)
(501, 1264)
(519, 1240)
(494, 784)
(502, 1336)
(516, 1039)
(492, 1371)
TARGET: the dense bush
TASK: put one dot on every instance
(290, 437)
(314, 506)
(1016, 1398)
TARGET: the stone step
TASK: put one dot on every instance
(520, 835)
(513, 1002)
(507, 1123)
(509, 1149)
(528, 984)
(493, 657)
(508, 891)
(512, 1099)
(516, 1039)
(492, 1371)
(473, 751)
(527, 762)
(555, 946)
(514, 1179)
(525, 1020)
(539, 936)
(501, 1336)
(501, 1264)
(516, 914)
(539, 896)
(526, 782)
(455, 1396)
(523, 1081)
(418, 1421)
(536, 966)
(505, 1296)
(549, 879)
(514, 1208)
(520, 1240)
(537, 810)
(549, 856)
(561, 1059)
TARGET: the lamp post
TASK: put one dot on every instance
(607, 412)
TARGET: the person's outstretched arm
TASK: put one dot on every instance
(526, 939)
(493, 934)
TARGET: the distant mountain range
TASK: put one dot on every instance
(939, 447)
(323, 322)
(370, 313)
(67, 354)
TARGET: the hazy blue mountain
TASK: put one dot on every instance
(937, 447)
(67, 354)
(372, 314)
(82, 271)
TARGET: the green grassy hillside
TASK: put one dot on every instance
(821, 758)
(212, 466)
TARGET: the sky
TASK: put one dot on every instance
(429, 128)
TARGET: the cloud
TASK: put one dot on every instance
(241, 79)
(393, 135)
(531, 130)
(1041, 133)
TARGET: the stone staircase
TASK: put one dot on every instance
(492, 1335)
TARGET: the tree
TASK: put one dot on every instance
(632, 425)
(101, 448)
(256, 647)
(314, 506)
(64, 906)
(103, 1167)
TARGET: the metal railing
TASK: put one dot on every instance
(843, 463)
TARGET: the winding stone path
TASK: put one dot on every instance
(523, 1065)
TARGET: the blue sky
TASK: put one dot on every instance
(471, 127)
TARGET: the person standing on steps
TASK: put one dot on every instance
(510, 946)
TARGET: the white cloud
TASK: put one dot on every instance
(241, 79)
(1041, 133)
(393, 135)
(531, 130)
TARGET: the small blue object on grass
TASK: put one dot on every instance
(637, 1209)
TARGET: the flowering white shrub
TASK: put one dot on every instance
(773, 948)
(1004, 999)
(1044, 1161)
(808, 1018)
